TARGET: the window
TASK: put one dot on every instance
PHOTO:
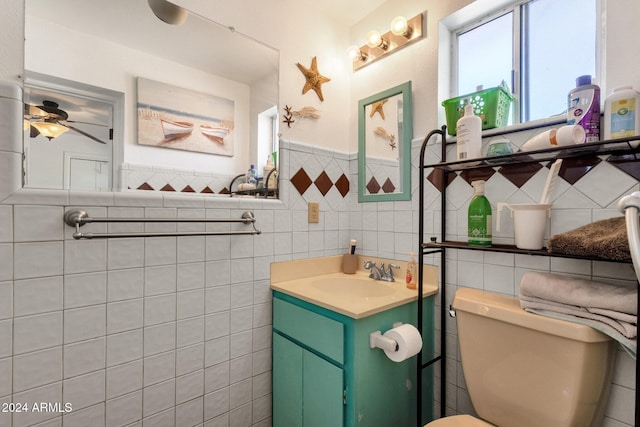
(538, 47)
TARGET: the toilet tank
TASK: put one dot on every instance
(527, 370)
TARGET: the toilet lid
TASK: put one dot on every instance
(459, 421)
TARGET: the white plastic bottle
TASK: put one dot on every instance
(621, 116)
(583, 107)
(469, 134)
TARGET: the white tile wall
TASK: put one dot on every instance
(177, 331)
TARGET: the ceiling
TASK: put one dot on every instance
(347, 12)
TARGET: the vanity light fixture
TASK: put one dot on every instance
(50, 129)
(168, 12)
(402, 33)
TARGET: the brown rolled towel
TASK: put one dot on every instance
(603, 239)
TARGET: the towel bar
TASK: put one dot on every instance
(77, 218)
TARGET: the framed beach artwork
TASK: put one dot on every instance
(173, 117)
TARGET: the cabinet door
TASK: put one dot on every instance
(322, 391)
(307, 390)
(287, 383)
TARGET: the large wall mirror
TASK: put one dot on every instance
(385, 129)
(84, 61)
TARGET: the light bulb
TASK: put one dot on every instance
(374, 39)
(355, 54)
(400, 27)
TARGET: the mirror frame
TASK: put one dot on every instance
(404, 146)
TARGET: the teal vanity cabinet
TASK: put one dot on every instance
(325, 374)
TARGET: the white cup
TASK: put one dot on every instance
(530, 223)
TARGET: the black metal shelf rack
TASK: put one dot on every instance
(623, 146)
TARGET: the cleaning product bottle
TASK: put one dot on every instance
(621, 118)
(479, 217)
(267, 175)
(469, 134)
(583, 107)
(412, 271)
(251, 175)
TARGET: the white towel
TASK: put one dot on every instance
(580, 292)
(611, 309)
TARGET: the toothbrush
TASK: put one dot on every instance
(353, 246)
(551, 179)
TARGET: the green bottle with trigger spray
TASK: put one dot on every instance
(479, 217)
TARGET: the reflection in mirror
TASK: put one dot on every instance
(74, 123)
(100, 46)
(384, 145)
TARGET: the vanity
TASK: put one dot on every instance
(324, 371)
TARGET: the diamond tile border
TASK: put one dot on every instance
(301, 181)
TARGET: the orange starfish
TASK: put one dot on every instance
(314, 78)
(376, 107)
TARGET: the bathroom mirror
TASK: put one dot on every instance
(385, 129)
(108, 47)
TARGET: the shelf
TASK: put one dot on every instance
(620, 146)
(510, 249)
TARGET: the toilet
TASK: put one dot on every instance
(527, 370)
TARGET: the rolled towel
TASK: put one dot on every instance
(580, 292)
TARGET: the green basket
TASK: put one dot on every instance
(491, 105)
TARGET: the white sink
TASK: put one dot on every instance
(353, 287)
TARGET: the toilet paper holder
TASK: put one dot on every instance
(376, 340)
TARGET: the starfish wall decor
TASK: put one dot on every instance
(314, 78)
(304, 113)
(377, 107)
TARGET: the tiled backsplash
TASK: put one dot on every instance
(140, 177)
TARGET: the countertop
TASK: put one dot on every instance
(296, 278)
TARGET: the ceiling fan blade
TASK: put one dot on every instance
(81, 132)
(86, 123)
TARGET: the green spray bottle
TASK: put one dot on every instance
(479, 217)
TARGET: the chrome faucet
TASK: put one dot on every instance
(381, 273)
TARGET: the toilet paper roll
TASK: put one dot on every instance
(408, 339)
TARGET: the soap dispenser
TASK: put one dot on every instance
(469, 134)
(412, 272)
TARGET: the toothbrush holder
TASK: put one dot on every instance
(349, 263)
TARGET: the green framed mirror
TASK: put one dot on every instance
(385, 130)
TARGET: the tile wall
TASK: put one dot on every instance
(151, 331)
(176, 331)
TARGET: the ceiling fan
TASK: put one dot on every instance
(51, 121)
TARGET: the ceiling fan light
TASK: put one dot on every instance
(168, 12)
(49, 129)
